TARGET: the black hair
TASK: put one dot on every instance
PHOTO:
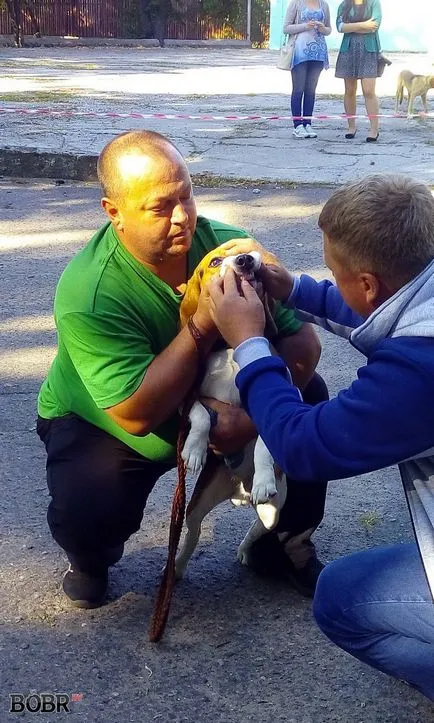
(359, 14)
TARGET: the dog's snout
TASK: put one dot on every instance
(246, 262)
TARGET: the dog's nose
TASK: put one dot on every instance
(246, 262)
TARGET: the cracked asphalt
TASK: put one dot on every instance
(205, 81)
(237, 648)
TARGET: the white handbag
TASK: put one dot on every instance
(287, 53)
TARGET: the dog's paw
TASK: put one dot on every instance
(194, 455)
(241, 496)
(263, 488)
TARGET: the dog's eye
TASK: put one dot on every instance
(217, 261)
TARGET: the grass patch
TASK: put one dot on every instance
(56, 64)
(209, 180)
(37, 96)
(248, 130)
(369, 520)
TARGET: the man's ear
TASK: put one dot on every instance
(373, 290)
(191, 296)
(112, 211)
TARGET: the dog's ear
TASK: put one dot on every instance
(268, 258)
(270, 325)
(191, 296)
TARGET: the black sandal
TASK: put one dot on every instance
(371, 139)
(350, 136)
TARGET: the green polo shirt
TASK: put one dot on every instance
(113, 317)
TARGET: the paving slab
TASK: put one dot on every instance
(199, 82)
(237, 648)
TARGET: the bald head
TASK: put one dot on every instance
(129, 156)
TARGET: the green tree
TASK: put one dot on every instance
(233, 13)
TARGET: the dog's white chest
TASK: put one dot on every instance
(219, 379)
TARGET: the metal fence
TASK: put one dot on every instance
(115, 19)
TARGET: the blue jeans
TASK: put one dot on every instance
(305, 78)
(376, 605)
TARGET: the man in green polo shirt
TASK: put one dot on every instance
(108, 410)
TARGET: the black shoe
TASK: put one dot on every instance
(84, 590)
(372, 139)
(96, 560)
(267, 557)
(350, 136)
(86, 581)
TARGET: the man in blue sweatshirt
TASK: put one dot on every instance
(379, 246)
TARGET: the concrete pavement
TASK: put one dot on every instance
(237, 648)
(199, 81)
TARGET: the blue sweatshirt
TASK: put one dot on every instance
(385, 417)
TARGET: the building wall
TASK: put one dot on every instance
(407, 26)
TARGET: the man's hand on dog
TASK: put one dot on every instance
(236, 309)
(202, 316)
(234, 429)
(277, 281)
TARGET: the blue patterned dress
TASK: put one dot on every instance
(311, 44)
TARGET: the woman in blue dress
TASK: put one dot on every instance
(309, 22)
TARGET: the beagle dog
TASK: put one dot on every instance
(250, 477)
(416, 85)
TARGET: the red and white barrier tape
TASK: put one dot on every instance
(182, 116)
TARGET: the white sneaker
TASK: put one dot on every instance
(310, 133)
(299, 132)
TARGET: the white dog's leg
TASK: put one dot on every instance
(268, 512)
(256, 530)
(196, 444)
(213, 487)
(268, 517)
(193, 524)
(264, 481)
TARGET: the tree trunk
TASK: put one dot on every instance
(15, 13)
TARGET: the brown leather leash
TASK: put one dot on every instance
(167, 584)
